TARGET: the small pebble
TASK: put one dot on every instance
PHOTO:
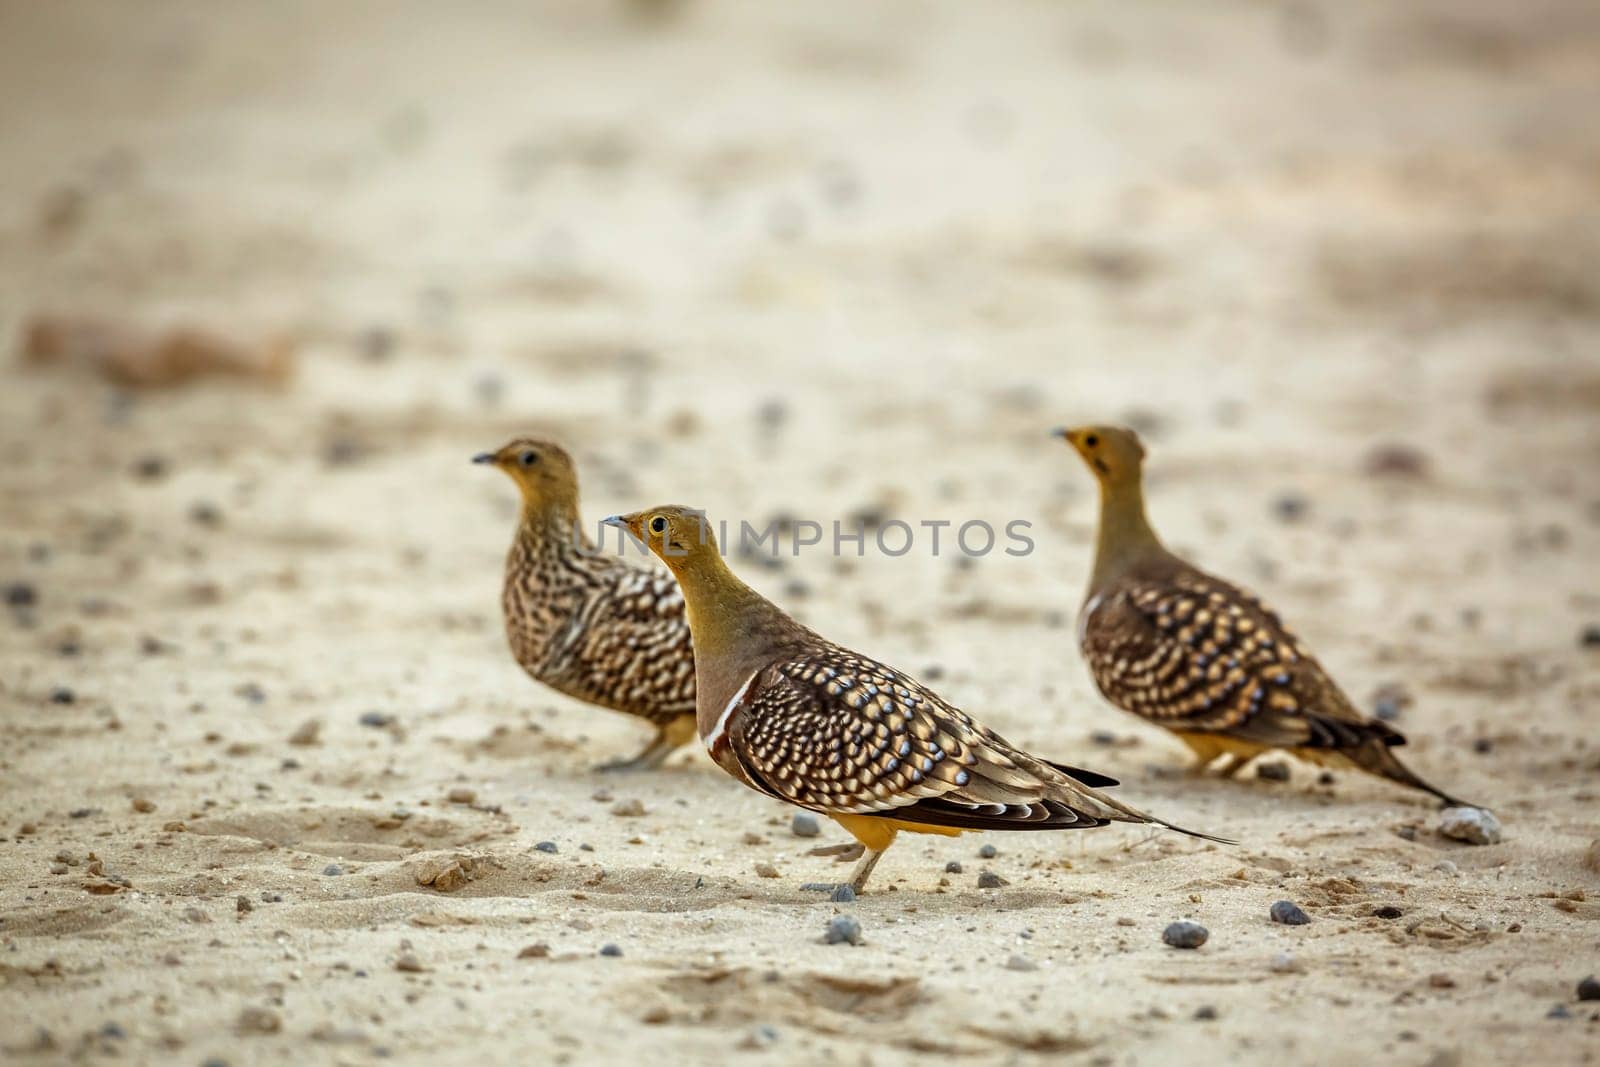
(376, 719)
(143, 804)
(113, 1031)
(333, 870)
(243, 906)
(1103, 737)
(461, 795)
(21, 595)
(1273, 771)
(1441, 981)
(1284, 963)
(1475, 826)
(990, 880)
(953, 867)
(842, 930)
(611, 949)
(1291, 507)
(628, 808)
(804, 824)
(1589, 988)
(1185, 934)
(62, 695)
(760, 1037)
(409, 963)
(1387, 911)
(1447, 868)
(1021, 963)
(536, 951)
(988, 852)
(547, 846)
(1590, 638)
(1558, 1012)
(843, 893)
(1205, 1013)
(766, 870)
(256, 1020)
(1288, 913)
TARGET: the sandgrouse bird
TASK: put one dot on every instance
(1210, 662)
(794, 716)
(589, 624)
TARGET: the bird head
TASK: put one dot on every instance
(1113, 453)
(673, 532)
(542, 470)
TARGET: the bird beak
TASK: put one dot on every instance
(1062, 432)
(484, 457)
(615, 520)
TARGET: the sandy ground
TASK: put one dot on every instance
(810, 260)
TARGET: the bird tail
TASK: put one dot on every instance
(1377, 757)
(1194, 833)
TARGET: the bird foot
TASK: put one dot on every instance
(844, 853)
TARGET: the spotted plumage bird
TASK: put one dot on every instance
(1188, 651)
(586, 623)
(796, 717)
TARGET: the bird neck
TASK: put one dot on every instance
(547, 527)
(1125, 537)
(736, 631)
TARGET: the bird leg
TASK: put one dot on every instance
(842, 853)
(858, 877)
(1235, 763)
(665, 742)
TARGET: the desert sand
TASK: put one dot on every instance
(271, 788)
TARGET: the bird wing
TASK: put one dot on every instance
(840, 734)
(627, 645)
(1193, 652)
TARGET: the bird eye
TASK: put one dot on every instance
(528, 458)
(1091, 440)
(658, 525)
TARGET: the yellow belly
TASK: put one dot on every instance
(878, 834)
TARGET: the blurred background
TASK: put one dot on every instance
(270, 273)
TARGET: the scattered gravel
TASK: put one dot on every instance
(1185, 934)
(1475, 826)
(804, 824)
(990, 880)
(843, 930)
(1289, 913)
(547, 846)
